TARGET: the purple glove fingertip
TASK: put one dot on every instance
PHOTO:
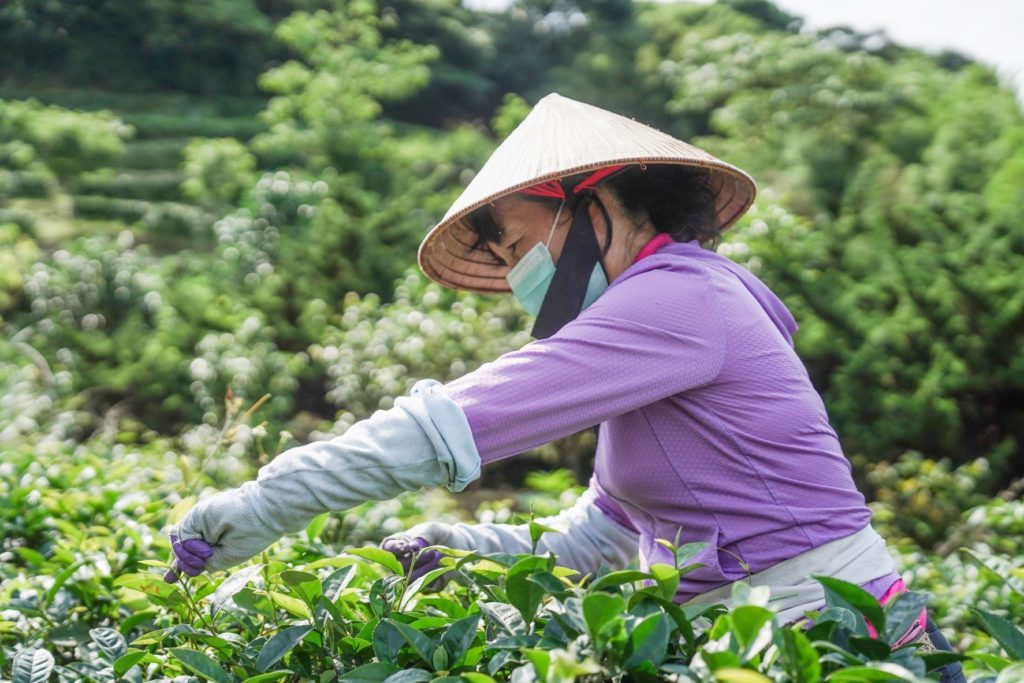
(190, 557)
(410, 554)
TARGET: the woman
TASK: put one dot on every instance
(709, 430)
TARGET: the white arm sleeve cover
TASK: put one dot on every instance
(587, 537)
(425, 440)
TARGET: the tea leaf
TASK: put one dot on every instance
(268, 677)
(525, 595)
(667, 578)
(1008, 635)
(338, 581)
(799, 656)
(439, 659)
(648, 642)
(234, 583)
(61, 579)
(474, 677)
(149, 584)
(504, 616)
(378, 556)
(618, 578)
(33, 557)
(876, 671)
(421, 644)
(845, 594)
(751, 626)
(733, 675)
(685, 552)
(870, 647)
(994, 662)
(459, 637)
(536, 531)
(387, 641)
(200, 664)
(417, 586)
(110, 642)
(280, 645)
(377, 672)
(316, 526)
(410, 676)
(599, 609)
(933, 660)
(32, 666)
(307, 586)
(128, 660)
(291, 605)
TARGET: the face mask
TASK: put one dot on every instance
(531, 277)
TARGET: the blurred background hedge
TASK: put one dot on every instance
(203, 195)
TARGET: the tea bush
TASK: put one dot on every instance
(84, 551)
(66, 142)
(888, 220)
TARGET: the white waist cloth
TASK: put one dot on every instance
(857, 558)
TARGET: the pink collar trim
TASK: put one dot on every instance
(656, 243)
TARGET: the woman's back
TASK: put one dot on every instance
(745, 461)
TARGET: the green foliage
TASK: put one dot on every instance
(156, 185)
(319, 117)
(198, 47)
(889, 220)
(63, 141)
(218, 172)
(920, 499)
(84, 596)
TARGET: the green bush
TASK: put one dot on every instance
(158, 153)
(68, 142)
(921, 499)
(83, 597)
(26, 183)
(114, 208)
(156, 125)
(159, 185)
(217, 172)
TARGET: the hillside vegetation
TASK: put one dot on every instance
(205, 203)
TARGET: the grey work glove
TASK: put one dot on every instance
(587, 539)
(424, 440)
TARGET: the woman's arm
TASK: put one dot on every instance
(586, 536)
(423, 441)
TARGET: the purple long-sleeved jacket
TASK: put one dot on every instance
(710, 428)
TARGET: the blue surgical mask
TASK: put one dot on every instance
(531, 277)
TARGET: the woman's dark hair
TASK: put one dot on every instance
(678, 200)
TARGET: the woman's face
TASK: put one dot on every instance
(523, 223)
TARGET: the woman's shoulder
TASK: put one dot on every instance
(686, 276)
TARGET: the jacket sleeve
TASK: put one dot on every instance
(586, 536)
(650, 336)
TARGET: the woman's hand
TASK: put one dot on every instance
(221, 531)
(409, 550)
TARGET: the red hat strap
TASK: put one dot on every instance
(552, 188)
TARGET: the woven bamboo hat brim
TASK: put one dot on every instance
(562, 137)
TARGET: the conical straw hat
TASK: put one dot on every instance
(562, 137)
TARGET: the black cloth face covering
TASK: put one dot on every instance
(564, 299)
